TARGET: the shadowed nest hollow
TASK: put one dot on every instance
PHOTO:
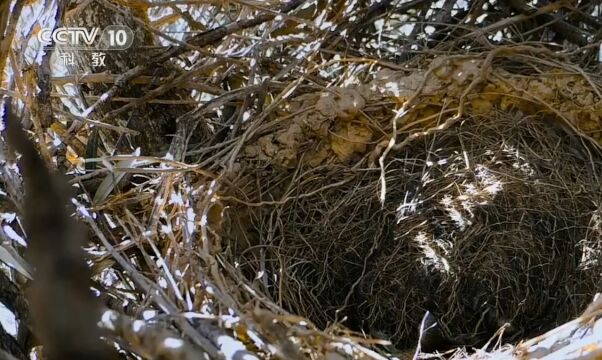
(493, 221)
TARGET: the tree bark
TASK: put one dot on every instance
(153, 122)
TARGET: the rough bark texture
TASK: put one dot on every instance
(154, 122)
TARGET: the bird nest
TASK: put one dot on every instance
(488, 224)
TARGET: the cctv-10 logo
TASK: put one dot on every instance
(113, 37)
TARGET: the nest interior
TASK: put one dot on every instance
(490, 222)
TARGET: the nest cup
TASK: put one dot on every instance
(484, 225)
(494, 230)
